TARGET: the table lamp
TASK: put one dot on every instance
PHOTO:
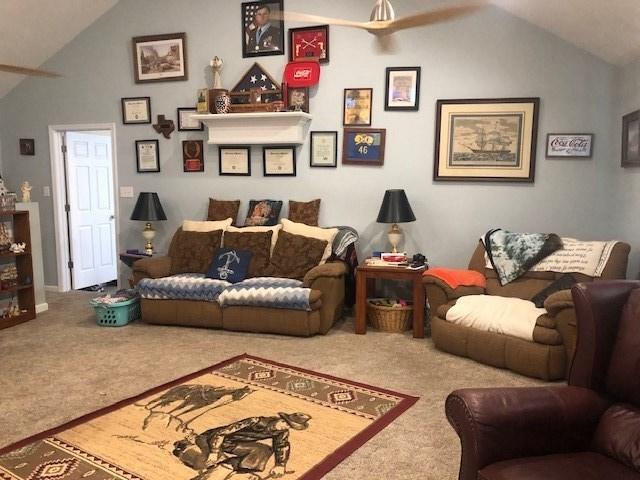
(395, 209)
(148, 209)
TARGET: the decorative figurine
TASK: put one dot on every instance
(216, 65)
(26, 191)
(5, 238)
(18, 247)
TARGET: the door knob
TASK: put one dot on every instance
(112, 217)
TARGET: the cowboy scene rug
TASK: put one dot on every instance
(245, 418)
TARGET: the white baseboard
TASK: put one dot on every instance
(51, 288)
(42, 307)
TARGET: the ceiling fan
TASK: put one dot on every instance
(27, 71)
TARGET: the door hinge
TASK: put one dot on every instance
(67, 208)
(70, 263)
(64, 149)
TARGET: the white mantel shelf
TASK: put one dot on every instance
(277, 128)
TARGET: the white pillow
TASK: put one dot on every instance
(196, 226)
(274, 236)
(327, 234)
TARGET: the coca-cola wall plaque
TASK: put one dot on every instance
(569, 145)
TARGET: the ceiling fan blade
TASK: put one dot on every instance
(386, 44)
(27, 71)
(304, 17)
(434, 16)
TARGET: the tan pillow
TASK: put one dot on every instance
(274, 235)
(258, 243)
(197, 226)
(222, 209)
(326, 234)
(192, 252)
(305, 212)
(295, 255)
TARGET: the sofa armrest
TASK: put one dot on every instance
(438, 293)
(329, 279)
(558, 301)
(498, 424)
(152, 267)
(330, 269)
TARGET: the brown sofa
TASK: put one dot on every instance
(549, 355)
(326, 282)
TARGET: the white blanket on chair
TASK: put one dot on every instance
(491, 313)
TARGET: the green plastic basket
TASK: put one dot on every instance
(117, 314)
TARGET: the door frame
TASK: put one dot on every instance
(58, 181)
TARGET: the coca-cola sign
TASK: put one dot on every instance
(567, 145)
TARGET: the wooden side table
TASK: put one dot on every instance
(365, 281)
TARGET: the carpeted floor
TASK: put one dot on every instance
(62, 365)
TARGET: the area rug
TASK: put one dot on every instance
(244, 418)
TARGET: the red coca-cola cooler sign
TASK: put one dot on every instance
(302, 74)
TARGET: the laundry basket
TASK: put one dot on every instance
(117, 314)
(388, 319)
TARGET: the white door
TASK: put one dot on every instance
(90, 197)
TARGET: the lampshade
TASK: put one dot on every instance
(395, 208)
(382, 11)
(148, 208)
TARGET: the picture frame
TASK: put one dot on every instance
(569, 145)
(363, 146)
(356, 106)
(160, 58)
(631, 139)
(259, 15)
(234, 160)
(192, 156)
(402, 89)
(309, 43)
(136, 110)
(147, 156)
(186, 123)
(298, 98)
(279, 161)
(27, 146)
(323, 149)
(486, 140)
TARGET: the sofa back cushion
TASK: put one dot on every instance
(263, 212)
(304, 212)
(618, 435)
(258, 243)
(295, 255)
(274, 235)
(192, 252)
(206, 226)
(326, 234)
(223, 209)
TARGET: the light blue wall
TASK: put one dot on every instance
(490, 54)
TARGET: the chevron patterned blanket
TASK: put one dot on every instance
(185, 286)
(267, 292)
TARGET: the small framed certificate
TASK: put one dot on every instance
(324, 149)
(136, 110)
(234, 160)
(185, 121)
(147, 156)
(279, 161)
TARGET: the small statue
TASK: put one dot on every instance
(216, 65)
(26, 191)
(18, 247)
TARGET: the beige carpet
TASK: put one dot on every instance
(62, 365)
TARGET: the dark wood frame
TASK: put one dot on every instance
(591, 135)
(534, 135)
(124, 100)
(184, 157)
(388, 71)
(151, 38)
(245, 53)
(351, 161)
(278, 147)
(27, 146)
(188, 109)
(293, 31)
(305, 107)
(626, 120)
(234, 147)
(138, 156)
(334, 133)
(344, 109)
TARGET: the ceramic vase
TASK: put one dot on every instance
(223, 103)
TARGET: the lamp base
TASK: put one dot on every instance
(395, 237)
(148, 234)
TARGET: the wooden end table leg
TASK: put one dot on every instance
(361, 302)
(418, 308)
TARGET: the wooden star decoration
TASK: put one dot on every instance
(164, 126)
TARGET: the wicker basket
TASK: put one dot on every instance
(389, 319)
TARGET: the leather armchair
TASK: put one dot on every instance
(589, 429)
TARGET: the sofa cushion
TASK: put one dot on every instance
(274, 232)
(327, 234)
(295, 255)
(223, 209)
(230, 265)
(192, 252)
(263, 212)
(565, 282)
(618, 435)
(208, 226)
(189, 286)
(269, 292)
(304, 212)
(258, 243)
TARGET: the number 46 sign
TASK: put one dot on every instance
(363, 146)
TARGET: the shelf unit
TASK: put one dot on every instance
(24, 292)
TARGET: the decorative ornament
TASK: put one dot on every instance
(18, 247)
(223, 103)
(25, 188)
(164, 126)
(216, 65)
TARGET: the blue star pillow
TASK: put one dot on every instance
(230, 265)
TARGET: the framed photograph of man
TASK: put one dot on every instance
(262, 28)
(357, 106)
(160, 58)
(402, 89)
(298, 98)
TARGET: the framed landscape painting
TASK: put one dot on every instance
(490, 140)
(160, 58)
(631, 139)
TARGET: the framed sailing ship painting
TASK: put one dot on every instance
(486, 140)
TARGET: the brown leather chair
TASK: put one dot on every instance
(589, 429)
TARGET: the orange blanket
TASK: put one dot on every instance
(457, 277)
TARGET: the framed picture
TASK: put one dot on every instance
(298, 97)
(486, 140)
(27, 146)
(160, 58)
(309, 43)
(357, 106)
(193, 155)
(136, 110)
(279, 161)
(569, 145)
(631, 139)
(402, 90)
(147, 156)
(262, 34)
(323, 149)
(185, 121)
(363, 146)
(202, 103)
(234, 160)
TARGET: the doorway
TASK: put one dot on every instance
(84, 185)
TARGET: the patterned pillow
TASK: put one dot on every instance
(258, 243)
(192, 252)
(305, 212)
(295, 255)
(230, 265)
(263, 212)
(328, 234)
(223, 209)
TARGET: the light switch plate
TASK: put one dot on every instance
(46, 191)
(126, 192)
